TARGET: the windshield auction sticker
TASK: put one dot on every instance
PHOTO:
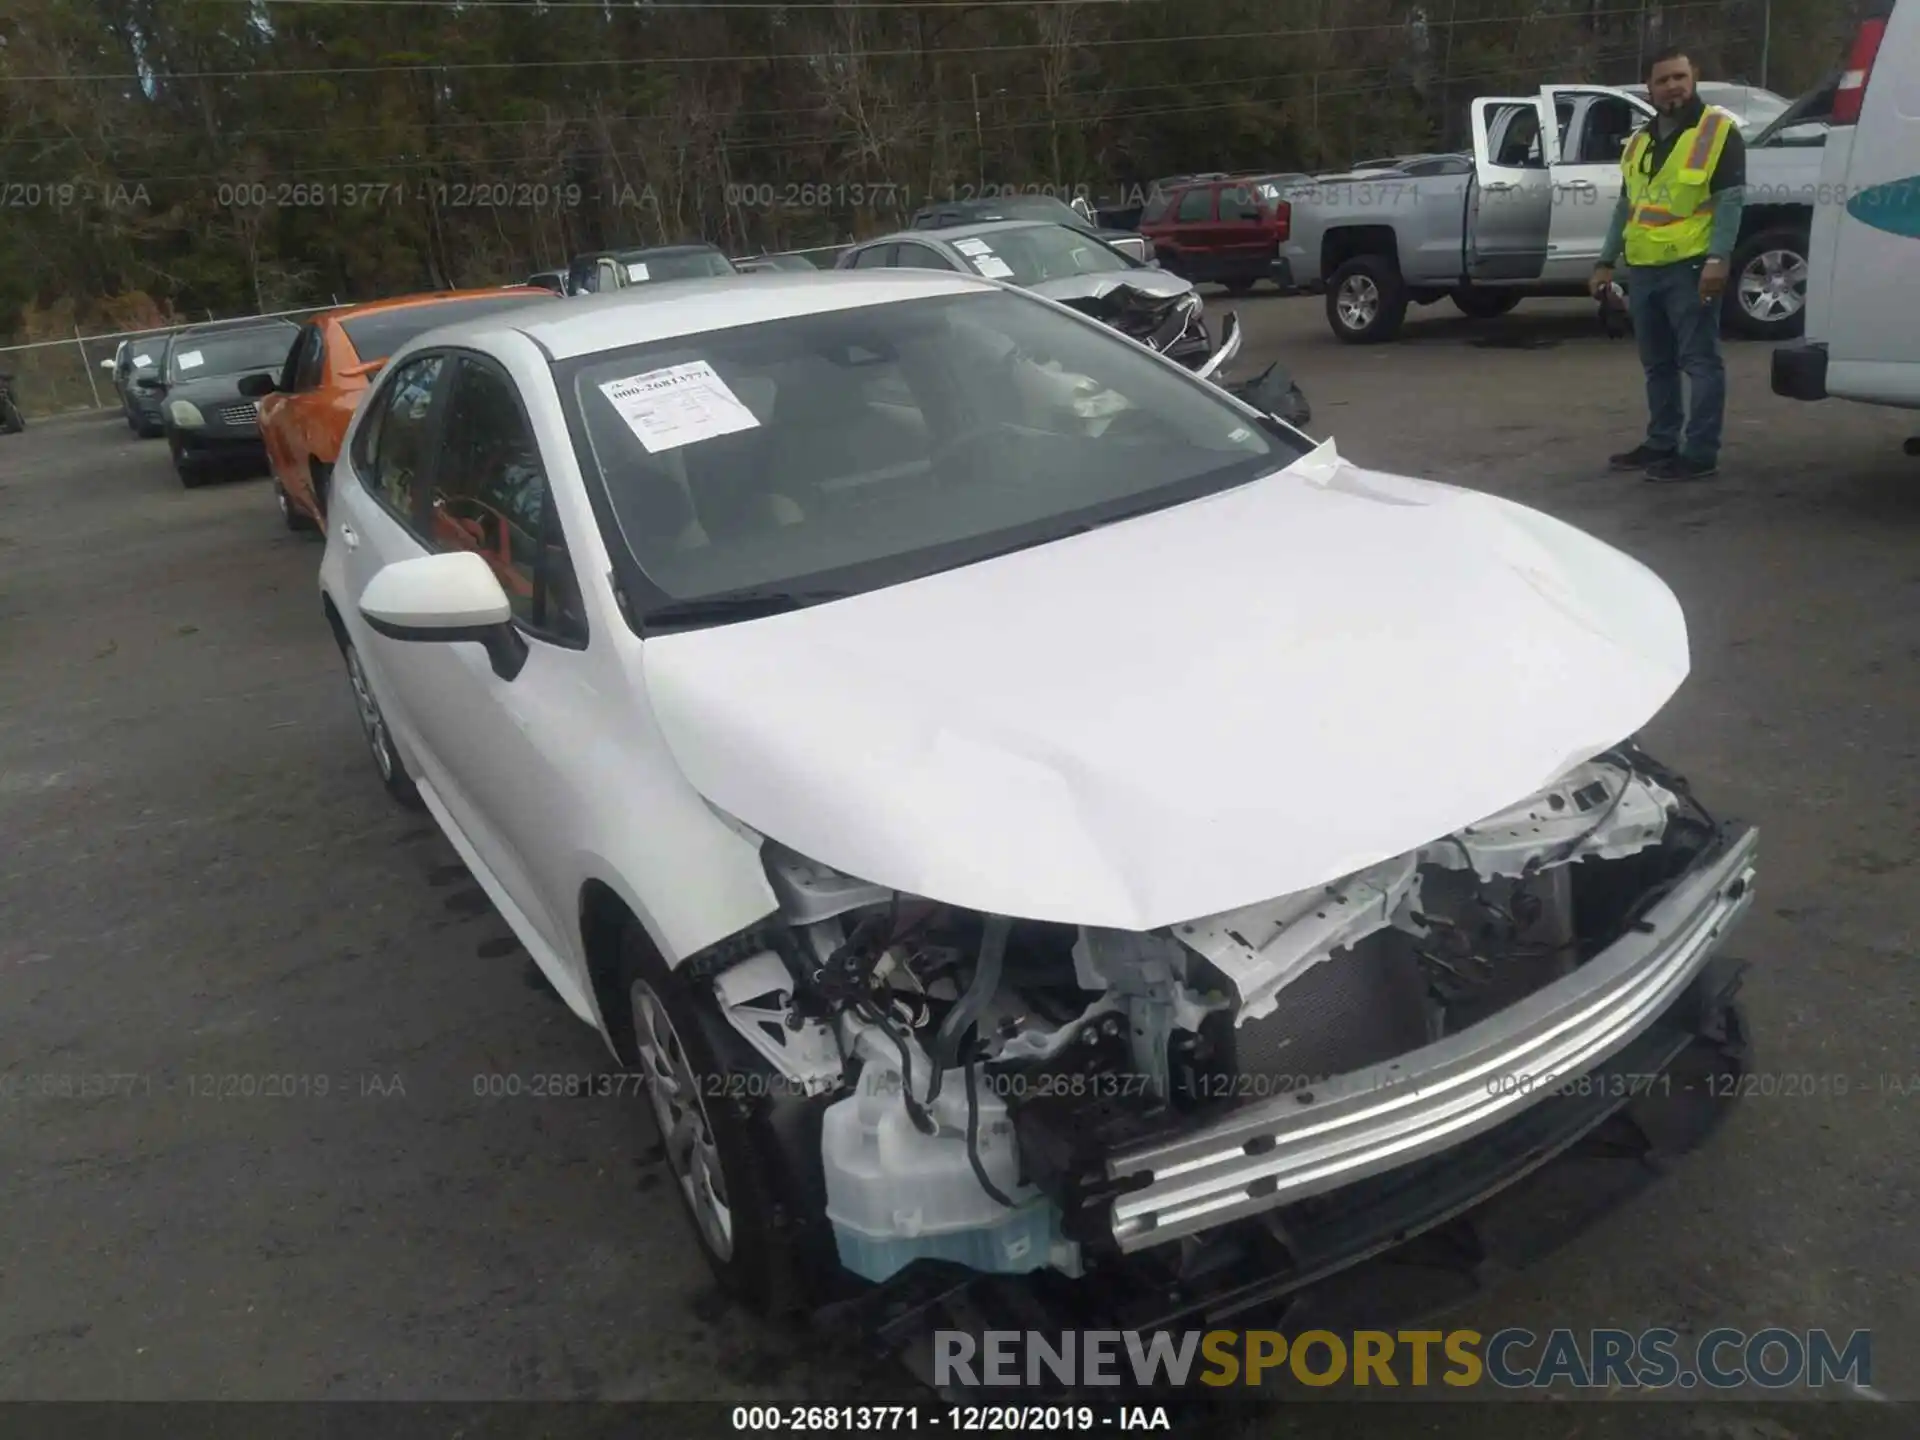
(189, 361)
(678, 406)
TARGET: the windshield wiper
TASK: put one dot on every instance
(743, 605)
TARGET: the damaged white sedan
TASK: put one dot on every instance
(1026, 812)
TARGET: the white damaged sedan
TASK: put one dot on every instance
(1024, 811)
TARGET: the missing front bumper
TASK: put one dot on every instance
(1433, 1099)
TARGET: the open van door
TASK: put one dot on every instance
(1510, 203)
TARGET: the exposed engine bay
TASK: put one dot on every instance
(971, 1071)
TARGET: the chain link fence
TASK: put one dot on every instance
(63, 377)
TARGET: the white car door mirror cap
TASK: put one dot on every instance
(454, 591)
(446, 598)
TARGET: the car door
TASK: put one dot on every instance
(1193, 222)
(286, 416)
(1510, 203)
(478, 739)
(1583, 158)
(1242, 238)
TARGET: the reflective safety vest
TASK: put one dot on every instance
(1670, 212)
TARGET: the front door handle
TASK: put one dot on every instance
(1574, 185)
(1496, 185)
(348, 537)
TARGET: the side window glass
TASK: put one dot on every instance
(490, 496)
(290, 372)
(306, 358)
(922, 257)
(874, 258)
(1603, 139)
(1195, 204)
(393, 444)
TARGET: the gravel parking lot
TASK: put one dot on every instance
(202, 880)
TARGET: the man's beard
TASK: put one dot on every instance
(1674, 107)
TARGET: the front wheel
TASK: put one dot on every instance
(291, 515)
(184, 465)
(1767, 285)
(1366, 300)
(12, 422)
(707, 1124)
(373, 724)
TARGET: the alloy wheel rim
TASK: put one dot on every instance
(371, 721)
(680, 1111)
(1359, 302)
(1773, 286)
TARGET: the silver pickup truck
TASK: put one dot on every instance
(1530, 217)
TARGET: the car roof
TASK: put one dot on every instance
(640, 314)
(633, 252)
(425, 297)
(235, 327)
(963, 232)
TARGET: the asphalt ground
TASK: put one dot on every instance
(282, 1008)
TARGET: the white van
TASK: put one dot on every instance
(1862, 339)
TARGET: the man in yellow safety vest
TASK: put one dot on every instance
(1678, 217)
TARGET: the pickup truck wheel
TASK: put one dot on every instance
(1239, 287)
(1484, 304)
(1767, 285)
(1366, 300)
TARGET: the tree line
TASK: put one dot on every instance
(174, 156)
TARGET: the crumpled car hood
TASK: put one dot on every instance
(1158, 283)
(1182, 713)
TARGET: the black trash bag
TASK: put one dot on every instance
(1274, 392)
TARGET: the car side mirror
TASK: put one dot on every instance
(446, 599)
(366, 369)
(252, 387)
(107, 364)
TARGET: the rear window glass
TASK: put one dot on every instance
(1156, 209)
(376, 336)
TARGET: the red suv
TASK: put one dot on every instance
(1224, 230)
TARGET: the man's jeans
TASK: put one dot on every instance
(1679, 334)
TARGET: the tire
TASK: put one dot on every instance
(373, 725)
(189, 471)
(1767, 285)
(12, 422)
(321, 475)
(1366, 300)
(714, 1146)
(1239, 287)
(1484, 304)
(295, 519)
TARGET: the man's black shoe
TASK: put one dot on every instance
(1681, 468)
(1639, 458)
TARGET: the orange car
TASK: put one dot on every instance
(304, 413)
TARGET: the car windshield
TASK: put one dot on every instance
(379, 333)
(1036, 253)
(644, 265)
(234, 352)
(828, 452)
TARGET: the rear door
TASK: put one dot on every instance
(1510, 203)
(1244, 243)
(1873, 317)
(1192, 228)
(1592, 127)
